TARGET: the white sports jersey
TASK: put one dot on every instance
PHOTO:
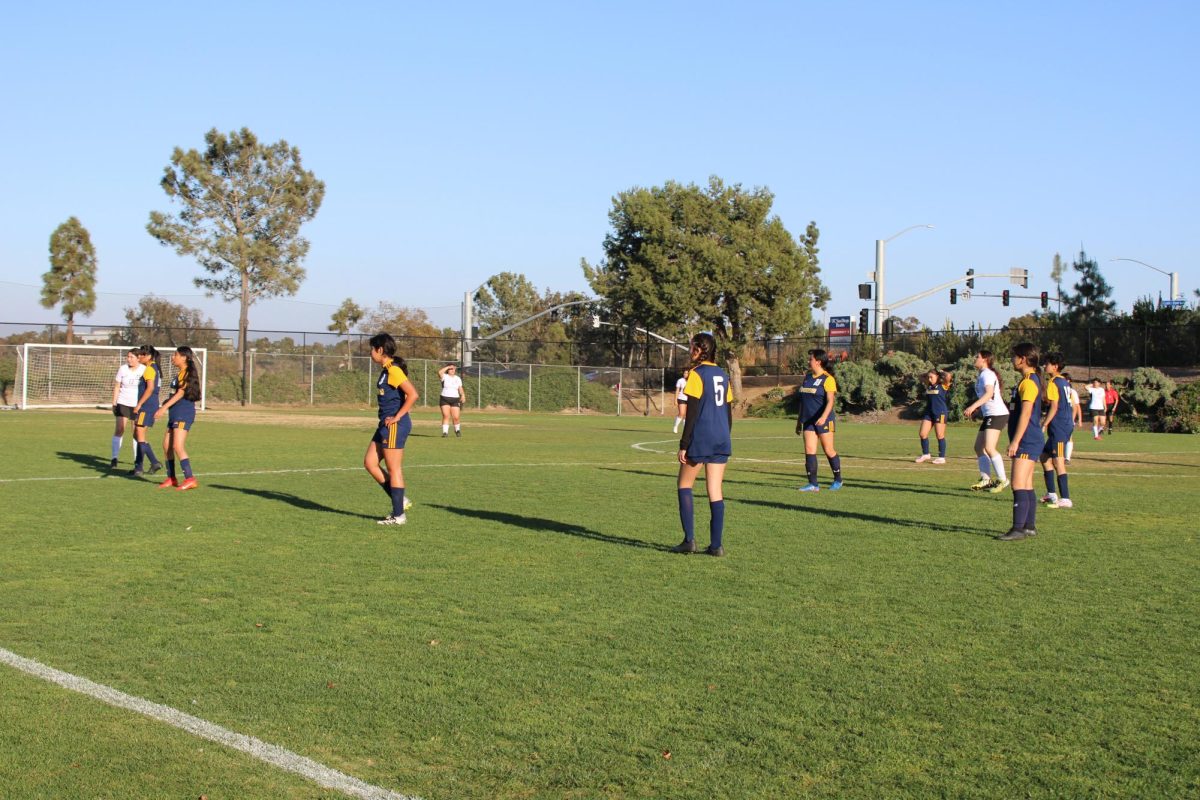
(679, 395)
(1097, 398)
(128, 379)
(1072, 397)
(994, 407)
(450, 385)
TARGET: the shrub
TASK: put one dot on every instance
(777, 403)
(861, 388)
(1148, 389)
(342, 387)
(905, 374)
(1181, 414)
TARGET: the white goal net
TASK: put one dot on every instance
(79, 375)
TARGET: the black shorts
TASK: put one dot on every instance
(123, 411)
(999, 423)
(1095, 412)
(455, 402)
(1110, 411)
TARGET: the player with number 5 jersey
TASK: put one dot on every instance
(706, 442)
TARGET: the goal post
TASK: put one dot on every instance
(82, 375)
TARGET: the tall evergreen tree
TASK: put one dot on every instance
(71, 281)
(1090, 303)
(243, 204)
(710, 258)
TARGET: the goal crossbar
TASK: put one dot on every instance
(82, 375)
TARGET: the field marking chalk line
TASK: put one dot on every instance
(274, 755)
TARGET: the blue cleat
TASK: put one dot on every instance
(833, 487)
(812, 487)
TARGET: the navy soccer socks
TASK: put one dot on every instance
(717, 525)
(687, 514)
(810, 466)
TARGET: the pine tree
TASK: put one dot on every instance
(71, 281)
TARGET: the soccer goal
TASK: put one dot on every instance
(82, 375)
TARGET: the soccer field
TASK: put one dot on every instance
(526, 634)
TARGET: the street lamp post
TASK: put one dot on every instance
(880, 304)
(1174, 276)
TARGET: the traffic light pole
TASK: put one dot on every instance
(946, 285)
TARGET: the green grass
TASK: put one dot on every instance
(527, 636)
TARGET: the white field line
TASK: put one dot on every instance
(271, 754)
(642, 447)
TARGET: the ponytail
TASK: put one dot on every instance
(191, 378)
(707, 345)
(823, 358)
(387, 344)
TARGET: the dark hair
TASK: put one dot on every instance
(1029, 352)
(148, 350)
(823, 357)
(1066, 375)
(1055, 358)
(937, 376)
(945, 376)
(385, 342)
(987, 356)
(707, 345)
(191, 378)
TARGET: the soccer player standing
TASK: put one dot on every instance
(1026, 441)
(706, 441)
(816, 419)
(451, 399)
(125, 395)
(396, 397)
(990, 404)
(149, 385)
(181, 410)
(937, 391)
(1057, 427)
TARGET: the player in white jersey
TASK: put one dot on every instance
(124, 398)
(989, 402)
(1096, 407)
(451, 399)
(680, 401)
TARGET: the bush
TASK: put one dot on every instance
(861, 388)
(775, 404)
(1148, 389)
(962, 388)
(1181, 414)
(342, 387)
(905, 374)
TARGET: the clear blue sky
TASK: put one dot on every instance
(460, 140)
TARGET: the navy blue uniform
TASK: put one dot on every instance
(150, 377)
(391, 399)
(1062, 423)
(182, 413)
(706, 435)
(936, 406)
(814, 393)
(1029, 390)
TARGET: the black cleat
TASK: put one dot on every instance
(458, 434)
(112, 464)
(155, 467)
(136, 472)
(444, 435)
(719, 552)
(1014, 535)
(685, 546)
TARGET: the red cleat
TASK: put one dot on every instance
(168, 483)
(188, 483)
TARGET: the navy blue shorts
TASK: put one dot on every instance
(393, 437)
(939, 418)
(820, 429)
(180, 423)
(145, 417)
(714, 459)
(1028, 449)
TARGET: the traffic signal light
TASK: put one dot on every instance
(864, 291)
(970, 280)
(864, 319)
(1045, 299)
(953, 296)
(1004, 297)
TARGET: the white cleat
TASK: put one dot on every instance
(939, 460)
(389, 520)
(923, 458)
(1049, 499)
(1064, 503)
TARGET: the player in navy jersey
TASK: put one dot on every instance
(181, 410)
(705, 442)
(1026, 441)
(149, 386)
(937, 408)
(1057, 427)
(396, 397)
(816, 419)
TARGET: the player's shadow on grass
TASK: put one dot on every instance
(93, 462)
(290, 499)
(893, 486)
(549, 525)
(844, 517)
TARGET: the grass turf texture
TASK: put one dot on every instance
(527, 635)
